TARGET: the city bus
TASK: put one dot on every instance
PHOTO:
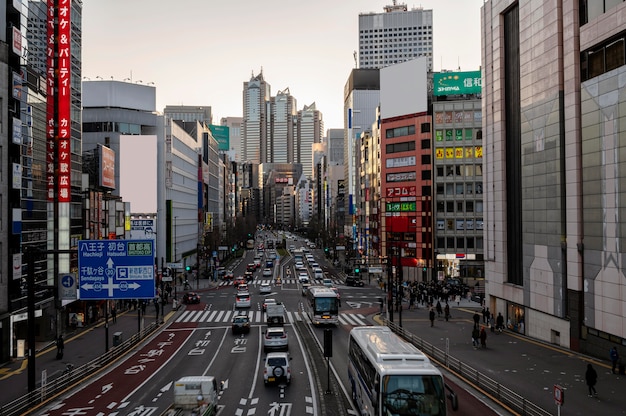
(390, 376)
(322, 305)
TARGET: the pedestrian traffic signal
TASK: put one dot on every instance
(357, 270)
(188, 268)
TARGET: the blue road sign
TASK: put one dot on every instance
(116, 269)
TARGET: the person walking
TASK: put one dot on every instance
(476, 318)
(114, 314)
(431, 316)
(439, 310)
(591, 378)
(475, 336)
(483, 337)
(60, 347)
(500, 322)
(614, 355)
(446, 311)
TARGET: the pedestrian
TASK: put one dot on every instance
(114, 314)
(614, 355)
(492, 323)
(591, 377)
(431, 316)
(483, 337)
(447, 311)
(457, 299)
(476, 318)
(439, 310)
(500, 322)
(60, 347)
(486, 315)
(475, 336)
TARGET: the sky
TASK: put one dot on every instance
(200, 52)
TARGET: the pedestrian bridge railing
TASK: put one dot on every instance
(490, 386)
(62, 381)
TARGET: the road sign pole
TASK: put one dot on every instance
(106, 327)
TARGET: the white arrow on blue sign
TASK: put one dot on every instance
(116, 269)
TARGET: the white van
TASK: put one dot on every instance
(318, 274)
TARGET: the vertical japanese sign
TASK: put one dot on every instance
(59, 99)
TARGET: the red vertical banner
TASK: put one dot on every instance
(64, 98)
(50, 105)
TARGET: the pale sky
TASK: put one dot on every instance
(200, 52)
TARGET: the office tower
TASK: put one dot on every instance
(256, 98)
(395, 36)
(282, 117)
(310, 130)
(554, 207)
(189, 113)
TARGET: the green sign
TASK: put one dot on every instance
(455, 83)
(401, 206)
(222, 135)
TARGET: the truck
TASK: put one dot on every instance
(275, 314)
(194, 395)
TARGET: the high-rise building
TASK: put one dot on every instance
(279, 146)
(310, 128)
(395, 36)
(256, 98)
(189, 113)
(553, 99)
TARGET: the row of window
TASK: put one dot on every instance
(590, 9)
(466, 170)
(460, 224)
(465, 188)
(466, 116)
(455, 207)
(109, 126)
(418, 29)
(458, 134)
(452, 244)
(401, 147)
(604, 57)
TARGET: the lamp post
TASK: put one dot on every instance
(175, 258)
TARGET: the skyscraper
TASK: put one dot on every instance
(395, 36)
(279, 142)
(256, 98)
(310, 130)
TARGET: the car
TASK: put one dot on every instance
(191, 297)
(275, 338)
(303, 277)
(241, 324)
(305, 287)
(314, 265)
(267, 272)
(277, 368)
(272, 255)
(265, 288)
(292, 247)
(239, 280)
(354, 281)
(318, 274)
(327, 282)
(228, 275)
(248, 276)
(242, 300)
(269, 263)
(267, 302)
(243, 287)
(250, 267)
(300, 266)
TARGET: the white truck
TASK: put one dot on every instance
(275, 314)
(194, 395)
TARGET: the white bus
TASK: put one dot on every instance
(392, 377)
(322, 305)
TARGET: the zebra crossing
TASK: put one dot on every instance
(259, 281)
(259, 317)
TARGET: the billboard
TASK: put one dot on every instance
(455, 83)
(222, 135)
(106, 156)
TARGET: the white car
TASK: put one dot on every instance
(300, 266)
(275, 338)
(265, 288)
(277, 368)
(314, 265)
(303, 277)
(242, 300)
(267, 272)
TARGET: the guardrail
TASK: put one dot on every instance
(66, 379)
(500, 392)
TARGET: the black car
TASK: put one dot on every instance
(191, 297)
(354, 281)
(241, 324)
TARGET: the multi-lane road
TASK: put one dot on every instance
(198, 341)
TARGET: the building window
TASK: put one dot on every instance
(426, 175)
(425, 127)
(469, 206)
(441, 224)
(426, 190)
(439, 189)
(400, 131)
(450, 207)
(450, 243)
(400, 147)
(426, 144)
(441, 207)
(460, 242)
(440, 171)
(425, 159)
(604, 57)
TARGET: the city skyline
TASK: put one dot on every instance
(318, 54)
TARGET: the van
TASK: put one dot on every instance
(318, 274)
(187, 390)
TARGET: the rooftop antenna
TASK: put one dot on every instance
(458, 63)
(354, 55)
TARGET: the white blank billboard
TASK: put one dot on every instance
(404, 88)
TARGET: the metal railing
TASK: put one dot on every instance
(492, 387)
(68, 378)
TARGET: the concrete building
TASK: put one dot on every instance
(310, 130)
(552, 110)
(234, 125)
(395, 36)
(256, 98)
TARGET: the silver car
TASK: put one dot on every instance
(275, 338)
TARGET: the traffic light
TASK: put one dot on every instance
(188, 268)
(357, 270)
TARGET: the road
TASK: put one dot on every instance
(198, 340)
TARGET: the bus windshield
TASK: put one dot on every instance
(326, 305)
(413, 395)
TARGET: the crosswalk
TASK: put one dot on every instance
(258, 317)
(259, 281)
